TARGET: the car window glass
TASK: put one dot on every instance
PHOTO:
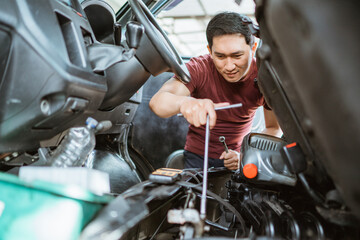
(116, 4)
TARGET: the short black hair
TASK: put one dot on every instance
(228, 23)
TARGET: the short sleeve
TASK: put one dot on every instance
(197, 68)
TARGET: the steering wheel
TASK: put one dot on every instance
(159, 40)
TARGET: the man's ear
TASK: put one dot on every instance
(209, 49)
(253, 49)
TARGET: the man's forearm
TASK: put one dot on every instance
(165, 104)
(277, 132)
(272, 126)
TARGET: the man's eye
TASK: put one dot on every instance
(220, 56)
(238, 56)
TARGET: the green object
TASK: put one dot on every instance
(41, 210)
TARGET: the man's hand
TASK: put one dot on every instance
(195, 111)
(174, 97)
(231, 159)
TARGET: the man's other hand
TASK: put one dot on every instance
(231, 159)
(195, 111)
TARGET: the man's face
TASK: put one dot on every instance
(232, 56)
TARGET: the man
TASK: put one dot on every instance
(225, 76)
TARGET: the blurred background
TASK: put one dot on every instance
(185, 20)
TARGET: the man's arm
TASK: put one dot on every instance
(173, 97)
(231, 159)
(271, 124)
(167, 101)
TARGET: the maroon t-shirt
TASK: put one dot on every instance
(235, 123)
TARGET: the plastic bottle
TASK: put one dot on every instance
(76, 146)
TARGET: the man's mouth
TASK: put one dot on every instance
(232, 74)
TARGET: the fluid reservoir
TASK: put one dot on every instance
(262, 161)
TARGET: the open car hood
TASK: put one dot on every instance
(309, 76)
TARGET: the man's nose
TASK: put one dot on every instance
(229, 65)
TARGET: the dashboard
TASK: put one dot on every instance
(46, 80)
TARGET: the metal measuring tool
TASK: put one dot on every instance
(205, 173)
(206, 159)
(219, 108)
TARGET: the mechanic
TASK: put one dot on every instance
(227, 75)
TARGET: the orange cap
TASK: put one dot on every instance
(250, 170)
